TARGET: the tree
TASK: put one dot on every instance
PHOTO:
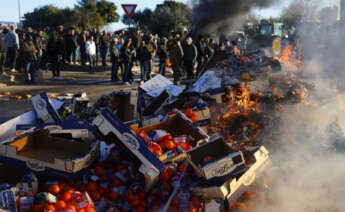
(44, 16)
(171, 17)
(140, 19)
(102, 11)
(168, 18)
(87, 13)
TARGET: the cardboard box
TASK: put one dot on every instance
(44, 109)
(215, 161)
(259, 159)
(8, 201)
(114, 131)
(126, 104)
(232, 189)
(204, 117)
(44, 154)
(8, 129)
(177, 124)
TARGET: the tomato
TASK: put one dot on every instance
(37, 208)
(181, 168)
(167, 174)
(91, 186)
(100, 171)
(54, 189)
(66, 196)
(192, 208)
(156, 148)
(116, 182)
(96, 196)
(60, 204)
(169, 144)
(90, 209)
(196, 201)
(114, 196)
(49, 208)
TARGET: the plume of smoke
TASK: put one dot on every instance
(220, 16)
(309, 155)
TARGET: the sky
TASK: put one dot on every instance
(9, 8)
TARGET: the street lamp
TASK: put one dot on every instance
(19, 11)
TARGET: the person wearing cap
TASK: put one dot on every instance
(189, 58)
(115, 59)
(3, 52)
(163, 55)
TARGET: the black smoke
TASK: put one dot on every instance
(220, 16)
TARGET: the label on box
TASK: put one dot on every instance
(8, 201)
(107, 123)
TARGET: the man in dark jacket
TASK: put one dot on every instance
(163, 55)
(41, 47)
(176, 56)
(3, 52)
(144, 57)
(82, 38)
(190, 55)
(127, 56)
(29, 58)
(115, 59)
(71, 46)
(201, 46)
(104, 47)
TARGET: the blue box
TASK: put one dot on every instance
(114, 131)
(44, 109)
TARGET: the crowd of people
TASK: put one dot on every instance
(30, 51)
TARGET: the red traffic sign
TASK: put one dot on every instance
(129, 9)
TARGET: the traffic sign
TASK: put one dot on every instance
(129, 9)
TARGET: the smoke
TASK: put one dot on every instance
(220, 16)
(309, 153)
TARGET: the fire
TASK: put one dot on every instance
(291, 55)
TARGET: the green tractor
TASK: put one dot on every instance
(266, 35)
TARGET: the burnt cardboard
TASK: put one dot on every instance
(114, 131)
(44, 109)
(44, 154)
(157, 104)
(126, 104)
(222, 163)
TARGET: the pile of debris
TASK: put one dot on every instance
(160, 147)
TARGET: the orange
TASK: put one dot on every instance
(81, 210)
(70, 206)
(54, 189)
(66, 196)
(49, 208)
(91, 186)
(37, 208)
(96, 196)
(90, 209)
(114, 196)
(60, 204)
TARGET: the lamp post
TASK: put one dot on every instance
(19, 12)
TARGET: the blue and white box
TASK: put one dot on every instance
(113, 130)
(44, 109)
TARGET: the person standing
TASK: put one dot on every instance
(82, 38)
(41, 46)
(29, 58)
(201, 47)
(71, 46)
(90, 47)
(53, 51)
(12, 40)
(190, 55)
(3, 53)
(104, 47)
(115, 59)
(144, 57)
(128, 55)
(163, 55)
(176, 55)
(96, 37)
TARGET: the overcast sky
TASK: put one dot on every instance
(9, 8)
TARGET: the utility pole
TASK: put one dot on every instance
(20, 15)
